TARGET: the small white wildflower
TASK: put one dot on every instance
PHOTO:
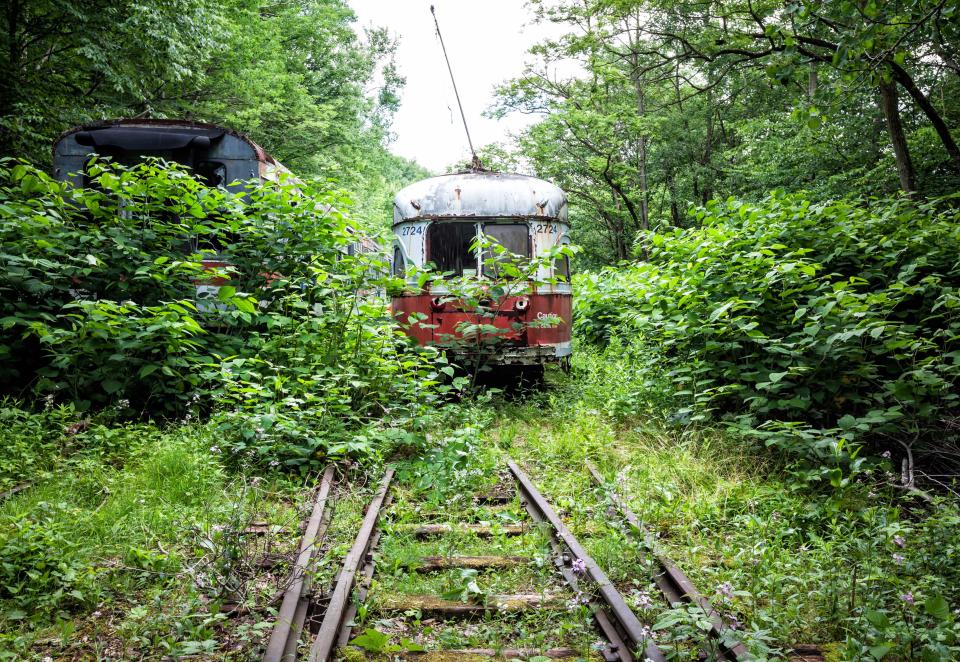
(643, 600)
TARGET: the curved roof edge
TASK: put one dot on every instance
(480, 194)
(261, 153)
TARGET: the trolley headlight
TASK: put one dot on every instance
(436, 303)
(522, 304)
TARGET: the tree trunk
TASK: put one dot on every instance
(9, 77)
(642, 150)
(901, 76)
(891, 112)
(642, 145)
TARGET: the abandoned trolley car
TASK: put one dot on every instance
(216, 155)
(436, 222)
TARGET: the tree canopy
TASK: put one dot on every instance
(292, 74)
(675, 103)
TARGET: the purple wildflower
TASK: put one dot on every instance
(733, 622)
(908, 598)
(899, 541)
(579, 566)
(885, 454)
(646, 633)
(643, 600)
(898, 558)
(726, 590)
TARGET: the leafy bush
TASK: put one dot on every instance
(40, 569)
(29, 443)
(814, 326)
(100, 305)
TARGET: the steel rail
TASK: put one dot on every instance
(616, 612)
(675, 586)
(327, 636)
(304, 604)
(366, 575)
(287, 616)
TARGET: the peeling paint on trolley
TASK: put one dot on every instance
(485, 201)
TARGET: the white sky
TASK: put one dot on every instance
(487, 42)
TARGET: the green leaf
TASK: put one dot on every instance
(371, 640)
(880, 650)
(937, 607)
(878, 619)
(411, 646)
(243, 305)
(111, 386)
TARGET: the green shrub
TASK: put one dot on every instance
(40, 567)
(29, 443)
(813, 326)
(99, 307)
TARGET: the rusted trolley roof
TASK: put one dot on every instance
(183, 126)
(482, 195)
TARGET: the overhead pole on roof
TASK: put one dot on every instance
(475, 163)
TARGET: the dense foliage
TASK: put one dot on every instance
(650, 107)
(823, 323)
(101, 299)
(295, 76)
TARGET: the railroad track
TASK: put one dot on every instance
(329, 619)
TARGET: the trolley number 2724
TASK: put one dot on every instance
(546, 228)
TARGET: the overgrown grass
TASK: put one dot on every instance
(131, 553)
(865, 567)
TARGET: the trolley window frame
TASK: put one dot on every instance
(445, 265)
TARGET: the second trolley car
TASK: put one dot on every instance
(437, 222)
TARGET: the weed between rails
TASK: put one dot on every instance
(790, 564)
(402, 551)
(129, 545)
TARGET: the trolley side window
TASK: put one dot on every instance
(448, 247)
(515, 237)
(399, 267)
(561, 265)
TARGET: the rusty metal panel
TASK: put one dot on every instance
(240, 158)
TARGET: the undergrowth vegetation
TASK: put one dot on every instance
(816, 328)
(151, 295)
(860, 569)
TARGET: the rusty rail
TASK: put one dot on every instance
(675, 586)
(289, 624)
(330, 627)
(615, 618)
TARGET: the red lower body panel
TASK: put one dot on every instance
(441, 323)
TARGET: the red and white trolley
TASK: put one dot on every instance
(436, 220)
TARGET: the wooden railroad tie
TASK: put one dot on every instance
(429, 604)
(435, 563)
